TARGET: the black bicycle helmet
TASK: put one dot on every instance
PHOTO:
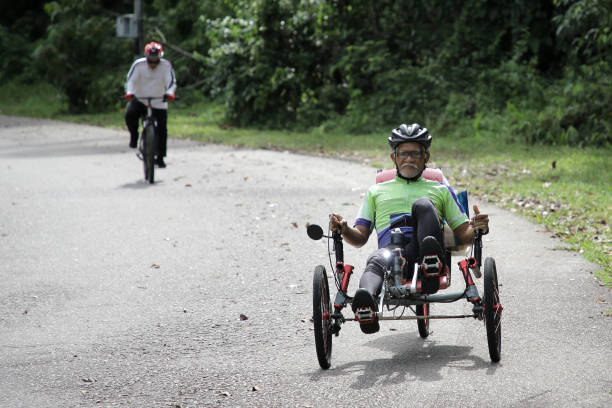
(413, 133)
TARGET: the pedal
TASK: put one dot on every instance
(431, 266)
(478, 310)
(365, 315)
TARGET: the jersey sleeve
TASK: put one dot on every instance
(453, 213)
(171, 81)
(131, 79)
(366, 215)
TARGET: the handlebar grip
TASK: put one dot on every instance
(338, 246)
(478, 246)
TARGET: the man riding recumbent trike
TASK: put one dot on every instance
(419, 221)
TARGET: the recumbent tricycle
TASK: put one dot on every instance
(415, 292)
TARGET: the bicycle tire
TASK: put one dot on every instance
(492, 309)
(149, 154)
(423, 324)
(321, 317)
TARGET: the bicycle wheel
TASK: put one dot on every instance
(423, 310)
(492, 309)
(149, 154)
(321, 313)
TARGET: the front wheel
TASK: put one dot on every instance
(149, 154)
(423, 310)
(321, 316)
(492, 309)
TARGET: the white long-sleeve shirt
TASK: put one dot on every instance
(144, 81)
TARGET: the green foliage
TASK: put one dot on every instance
(363, 64)
(16, 63)
(541, 69)
(78, 52)
(576, 110)
(181, 26)
(265, 62)
(39, 100)
(584, 29)
(21, 25)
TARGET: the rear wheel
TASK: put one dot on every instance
(423, 310)
(149, 154)
(492, 309)
(321, 316)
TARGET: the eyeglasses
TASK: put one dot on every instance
(415, 154)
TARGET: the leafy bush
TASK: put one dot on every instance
(16, 62)
(576, 110)
(541, 68)
(80, 52)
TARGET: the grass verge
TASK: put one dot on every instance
(566, 189)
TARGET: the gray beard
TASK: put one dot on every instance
(415, 178)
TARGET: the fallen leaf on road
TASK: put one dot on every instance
(294, 224)
(155, 266)
(243, 317)
(254, 388)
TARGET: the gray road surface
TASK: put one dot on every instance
(114, 292)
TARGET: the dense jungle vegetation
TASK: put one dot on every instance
(535, 71)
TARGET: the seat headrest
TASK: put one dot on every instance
(429, 174)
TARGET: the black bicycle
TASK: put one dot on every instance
(148, 147)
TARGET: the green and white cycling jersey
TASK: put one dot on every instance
(388, 205)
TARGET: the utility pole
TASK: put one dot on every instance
(138, 15)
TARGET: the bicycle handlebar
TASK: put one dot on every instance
(338, 246)
(478, 246)
(148, 99)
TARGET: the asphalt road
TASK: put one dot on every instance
(114, 292)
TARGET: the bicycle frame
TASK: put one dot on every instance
(397, 292)
(148, 142)
(148, 119)
(410, 296)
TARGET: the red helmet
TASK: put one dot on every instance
(153, 50)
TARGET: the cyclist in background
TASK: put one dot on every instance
(152, 76)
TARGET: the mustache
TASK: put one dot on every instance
(409, 165)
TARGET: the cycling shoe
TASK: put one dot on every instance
(364, 308)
